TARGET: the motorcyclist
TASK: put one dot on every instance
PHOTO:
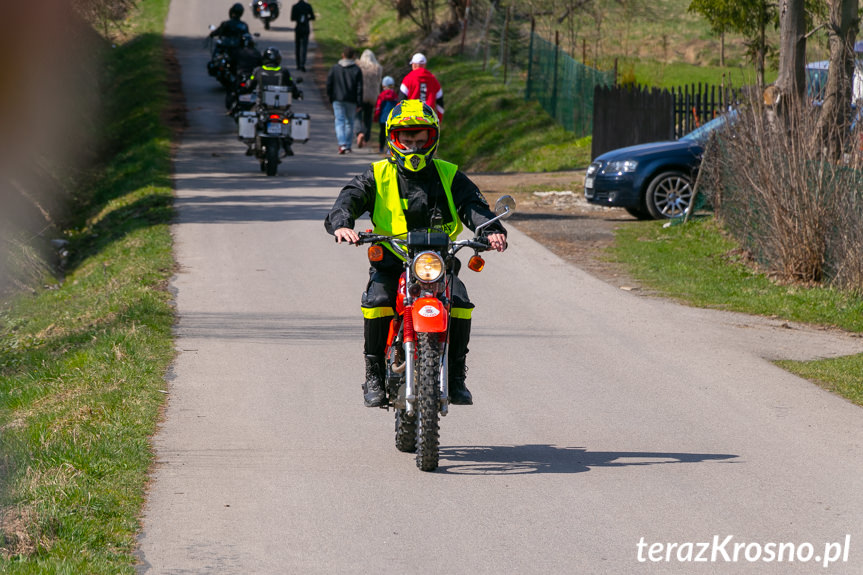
(272, 73)
(420, 185)
(233, 27)
(248, 56)
(246, 59)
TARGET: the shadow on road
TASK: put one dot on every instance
(542, 458)
(203, 209)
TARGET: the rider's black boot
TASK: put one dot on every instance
(373, 388)
(459, 336)
(458, 391)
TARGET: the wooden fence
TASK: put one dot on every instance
(629, 115)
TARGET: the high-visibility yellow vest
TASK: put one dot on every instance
(389, 213)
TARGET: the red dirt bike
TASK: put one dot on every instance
(416, 378)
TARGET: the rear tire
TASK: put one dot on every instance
(271, 158)
(428, 401)
(406, 431)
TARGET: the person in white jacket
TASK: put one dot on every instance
(372, 73)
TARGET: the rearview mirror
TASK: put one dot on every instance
(504, 206)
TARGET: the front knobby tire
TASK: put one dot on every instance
(406, 431)
(428, 401)
(271, 158)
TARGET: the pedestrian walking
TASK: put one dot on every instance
(420, 84)
(302, 13)
(386, 101)
(345, 91)
(372, 72)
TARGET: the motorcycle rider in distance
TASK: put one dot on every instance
(247, 59)
(405, 192)
(248, 56)
(233, 27)
(272, 73)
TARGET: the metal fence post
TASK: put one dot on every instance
(530, 60)
(554, 76)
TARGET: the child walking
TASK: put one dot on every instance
(387, 100)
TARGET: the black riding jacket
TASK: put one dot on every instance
(424, 192)
(233, 28)
(266, 76)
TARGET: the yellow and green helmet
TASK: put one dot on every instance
(412, 116)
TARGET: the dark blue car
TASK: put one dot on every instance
(651, 181)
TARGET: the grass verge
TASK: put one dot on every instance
(697, 264)
(82, 363)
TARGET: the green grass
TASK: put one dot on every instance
(82, 364)
(697, 264)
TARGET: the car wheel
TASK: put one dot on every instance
(669, 195)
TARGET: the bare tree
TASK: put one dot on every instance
(791, 82)
(748, 17)
(835, 118)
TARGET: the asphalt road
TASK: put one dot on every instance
(610, 433)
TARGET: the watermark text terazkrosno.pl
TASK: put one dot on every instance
(727, 550)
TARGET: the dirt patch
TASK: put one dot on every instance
(551, 209)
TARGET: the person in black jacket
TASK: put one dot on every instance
(345, 91)
(413, 178)
(233, 28)
(302, 13)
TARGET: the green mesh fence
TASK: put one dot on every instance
(563, 86)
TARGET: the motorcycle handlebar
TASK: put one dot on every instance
(478, 243)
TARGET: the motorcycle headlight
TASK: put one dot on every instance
(428, 267)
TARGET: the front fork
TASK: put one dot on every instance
(410, 370)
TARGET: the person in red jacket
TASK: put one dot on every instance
(387, 100)
(420, 84)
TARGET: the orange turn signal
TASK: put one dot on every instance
(376, 253)
(476, 263)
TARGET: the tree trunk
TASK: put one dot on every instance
(836, 109)
(791, 83)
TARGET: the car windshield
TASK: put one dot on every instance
(701, 133)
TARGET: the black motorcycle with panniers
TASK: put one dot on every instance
(271, 127)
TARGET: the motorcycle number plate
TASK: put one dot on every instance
(274, 129)
(429, 311)
(265, 13)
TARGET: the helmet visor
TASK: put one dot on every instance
(413, 140)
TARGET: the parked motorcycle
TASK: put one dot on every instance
(266, 11)
(416, 378)
(272, 126)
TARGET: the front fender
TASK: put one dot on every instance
(429, 315)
